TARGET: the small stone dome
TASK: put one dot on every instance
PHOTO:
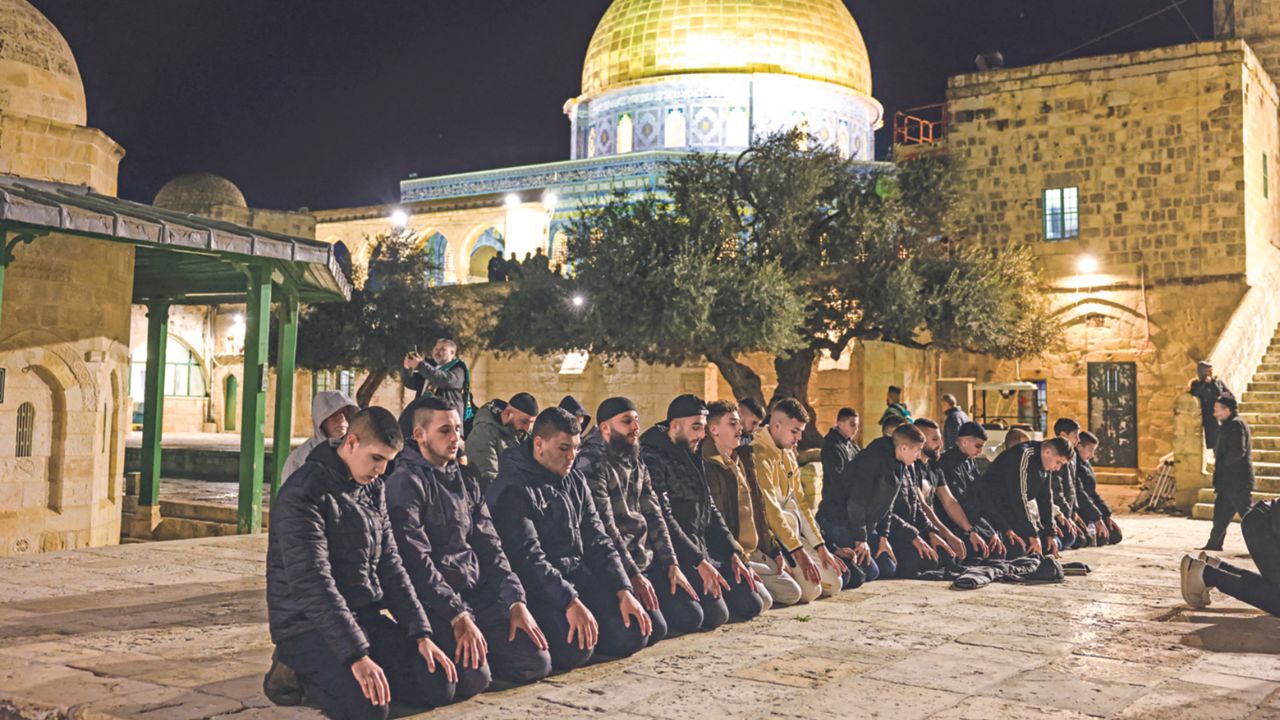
(38, 74)
(199, 194)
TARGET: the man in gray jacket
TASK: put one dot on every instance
(331, 413)
(499, 425)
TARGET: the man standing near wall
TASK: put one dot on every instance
(895, 405)
(1232, 470)
(1207, 389)
(955, 417)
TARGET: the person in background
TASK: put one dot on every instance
(895, 405)
(1207, 388)
(1233, 479)
(444, 375)
(331, 413)
(499, 425)
(576, 409)
(1261, 529)
(954, 418)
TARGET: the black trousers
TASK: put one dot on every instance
(910, 563)
(1260, 589)
(616, 639)
(1230, 501)
(516, 661)
(328, 681)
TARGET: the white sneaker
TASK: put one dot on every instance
(1210, 560)
(1194, 591)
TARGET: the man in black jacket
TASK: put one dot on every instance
(1232, 470)
(1068, 524)
(447, 542)
(631, 513)
(1019, 475)
(955, 417)
(957, 499)
(547, 520)
(703, 544)
(838, 447)
(856, 512)
(1093, 508)
(445, 376)
(332, 568)
(1207, 389)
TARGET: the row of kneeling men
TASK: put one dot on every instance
(421, 588)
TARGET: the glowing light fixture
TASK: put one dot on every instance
(550, 200)
(578, 301)
(399, 218)
(1087, 265)
(512, 200)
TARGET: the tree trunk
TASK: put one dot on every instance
(364, 394)
(741, 378)
(794, 372)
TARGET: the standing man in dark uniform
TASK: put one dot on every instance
(838, 447)
(1232, 470)
(1207, 389)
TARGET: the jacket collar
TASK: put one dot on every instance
(327, 456)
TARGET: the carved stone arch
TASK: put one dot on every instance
(72, 374)
(55, 420)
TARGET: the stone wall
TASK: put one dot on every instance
(1255, 21)
(41, 149)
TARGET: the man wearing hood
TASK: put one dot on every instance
(632, 515)
(498, 426)
(704, 546)
(576, 409)
(331, 413)
(447, 542)
(544, 513)
(332, 570)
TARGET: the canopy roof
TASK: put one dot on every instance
(187, 259)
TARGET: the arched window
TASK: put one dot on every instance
(436, 247)
(489, 244)
(26, 429)
(591, 143)
(626, 132)
(183, 374)
(675, 129)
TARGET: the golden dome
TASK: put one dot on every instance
(199, 194)
(642, 39)
(38, 73)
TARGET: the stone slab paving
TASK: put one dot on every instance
(177, 630)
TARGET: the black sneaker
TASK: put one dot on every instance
(281, 685)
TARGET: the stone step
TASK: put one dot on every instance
(1268, 396)
(1204, 511)
(1207, 495)
(1268, 367)
(1265, 473)
(1271, 386)
(1261, 407)
(1265, 456)
(1266, 443)
(1118, 477)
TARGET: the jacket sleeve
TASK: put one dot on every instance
(1022, 521)
(1089, 486)
(806, 512)
(299, 526)
(832, 460)
(513, 519)
(659, 534)
(597, 549)
(719, 539)
(1046, 508)
(688, 551)
(397, 589)
(857, 507)
(1232, 441)
(482, 454)
(412, 380)
(597, 478)
(771, 492)
(950, 430)
(406, 502)
(495, 568)
(452, 379)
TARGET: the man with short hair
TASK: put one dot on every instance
(332, 570)
(703, 545)
(631, 513)
(498, 426)
(838, 447)
(957, 496)
(751, 413)
(1207, 388)
(1232, 470)
(894, 404)
(926, 476)
(1069, 528)
(331, 413)
(544, 513)
(444, 375)
(1018, 476)
(889, 423)
(955, 417)
(777, 472)
(1105, 529)
(451, 550)
(742, 507)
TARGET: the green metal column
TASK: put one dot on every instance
(286, 352)
(253, 416)
(153, 401)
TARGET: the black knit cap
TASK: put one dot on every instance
(1228, 401)
(613, 407)
(686, 406)
(525, 403)
(971, 429)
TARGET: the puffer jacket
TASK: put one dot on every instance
(628, 506)
(837, 452)
(697, 530)
(486, 442)
(331, 556)
(323, 406)
(446, 538)
(861, 500)
(550, 529)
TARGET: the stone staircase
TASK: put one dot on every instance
(1260, 407)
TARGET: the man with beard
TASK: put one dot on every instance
(703, 545)
(498, 426)
(752, 415)
(447, 541)
(956, 498)
(838, 447)
(444, 375)
(578, 591)
(1019, 475)
(777, 473)
(632, 516)
(927, 475)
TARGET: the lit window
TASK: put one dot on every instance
(325, 380)
(347, 381)
(1061, 213)
(625, 133)
(183, 374)
(321, 381)
(675, 130)
(738, 128)
(26, 429)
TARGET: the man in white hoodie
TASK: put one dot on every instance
(331, 413)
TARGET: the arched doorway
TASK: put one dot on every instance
(489, 244)
(230, 403)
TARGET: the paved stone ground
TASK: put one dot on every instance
(177, 630)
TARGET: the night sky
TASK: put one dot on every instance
(329, 103)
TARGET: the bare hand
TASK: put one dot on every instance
(826, 558)
(435, 656)
(1104, 533)
(412, 361)
(807, 566)
(713, 583)
(979, 543)
(741, 573)
(1015, 539)
(939, 546)
(997, 546)
(923, 549)
(373, 683)
(1034, 547)
(644, 591)
(886, 549)
(958, 548)
(630, 608)
(583, 624)
(471, 645)
(862, 553)
(522, 621)
(680, 582)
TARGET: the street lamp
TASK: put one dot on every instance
(578, 301)
(550, 200)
